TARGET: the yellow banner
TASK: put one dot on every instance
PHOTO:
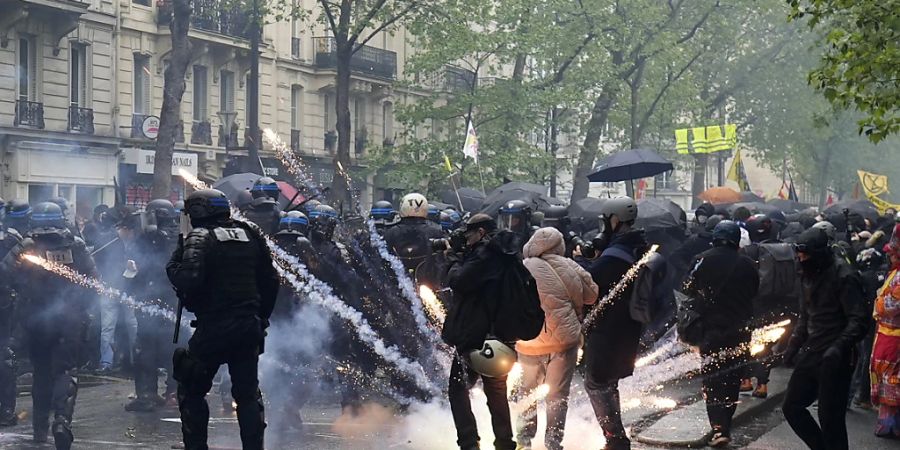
(873, 184)
(681, 141)
(706, 139)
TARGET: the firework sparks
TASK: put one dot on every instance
(192, 180)
(432, 305)
(529, 401)
(287, 157)
(153, 308)
(617, 290)
(767, 335)
(513, 379)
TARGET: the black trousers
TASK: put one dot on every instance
(152, 350)
(721, 389)
(604, 396)
(462, 379)
(829, 382)
(235, 342)
(54, 356)
(7, 361)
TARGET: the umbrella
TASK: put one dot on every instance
(754, 207)
(630, 165)
(864, 208)
(584, 213)
(471, 199)
(656, 214)
(786, 205)
(720, 194)
(530, 193)
(747, 196)
(233, 185)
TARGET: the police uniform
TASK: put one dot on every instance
(8, 240)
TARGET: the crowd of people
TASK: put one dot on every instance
(832, 277)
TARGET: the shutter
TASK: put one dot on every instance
(85, 74)
(296, 95)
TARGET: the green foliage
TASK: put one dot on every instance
(860, 61)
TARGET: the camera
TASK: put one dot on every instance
(456, 241)
(588, 250)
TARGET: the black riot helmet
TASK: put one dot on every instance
(244, 200)
(207, 205)
(382, 213)
(47, 217)
(323, 220)
(294, 222)
(556, 216)
(265, 187)
(727, 233)
(18, 215)
(515, 216)
(450, 219)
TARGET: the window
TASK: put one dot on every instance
(665, 180)
(39, 193)
(78, 76)
(359, 113)
(296, 101)
(387, 124)
(86, 199)
(141, 85)
(226, 91)
(27, 69)
(200, 94)
(330, 115)
(295, 33)
(141, 2)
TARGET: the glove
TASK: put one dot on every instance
(832, 356)
(789, 357)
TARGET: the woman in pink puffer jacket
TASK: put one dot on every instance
(550, 358)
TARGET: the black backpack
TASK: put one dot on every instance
(648, 289)
(517, 314)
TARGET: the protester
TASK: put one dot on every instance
(699, 242)
(9, 239)
(612, 341)
(550, 359)
(723, 285)
(873, 271)
(832, 321)
(474, 276)
(223, 274)
(886, 349)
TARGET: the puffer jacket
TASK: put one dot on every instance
(564, 288)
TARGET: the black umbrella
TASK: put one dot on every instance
(656, 214)
(630, 165)
(786, 205)
(864, 208)
(471, 199)
(520, 186)
(533, 194)
(747, 196)
(584, 212)
(754, 207)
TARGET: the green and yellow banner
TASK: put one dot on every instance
(874, 185)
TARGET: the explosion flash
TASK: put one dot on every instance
(617, 290)
(432, 305)
(767, 335)
(513, 379)
(92, 283)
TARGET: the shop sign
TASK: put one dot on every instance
(186, 161)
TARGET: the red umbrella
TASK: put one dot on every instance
(289, 193)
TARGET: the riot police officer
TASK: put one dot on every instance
(450, 220)
(292, 231)
(264, 210)
(383, 214)
(54, 313)
(409, 238)
(149, 240)
(9, 238)
(223, 273)
(18, 216)
(515, 216)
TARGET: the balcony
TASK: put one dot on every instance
(29, 114)
(229, 140)
(201, 132)
(367, 60)
(295, 47)
(81, 120)
(210, 15)
(295, 140)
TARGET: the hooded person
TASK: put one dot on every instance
(701, 215)
(832, 320)
(699, 242)
(564, 288)
(885, 364)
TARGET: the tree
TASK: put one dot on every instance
(860, 64)
(173, 90)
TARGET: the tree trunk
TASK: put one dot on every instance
(698, 184)
(554, 148)
(340, 188)
(173, 90)
(823, 175)
(588, 152)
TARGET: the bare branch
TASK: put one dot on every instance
(330, 15)
(385, 25)
(363, 24)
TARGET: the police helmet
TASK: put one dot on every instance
(450, 219)
(323, 220)
(382, 210)
(515, 216)
(494, 359)
(47, 217)
(624, 208)
(265, 187)
(61, 202)
(310, 206)
(828, 228)
(728, 232)
(179, 206)
(208, 204)
(414, 205)
(244, 200)
(18, 215)
(162, 209)
(293, 222)
(434, 214)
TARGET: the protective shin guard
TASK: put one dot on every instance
(62, 434)
(252, 420)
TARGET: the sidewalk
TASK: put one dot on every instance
(860, 432)
(689, 427)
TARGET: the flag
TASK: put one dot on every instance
(736, 172)
(873, 184)
(792, 191)
(447, 164)
(681, 141)
(470, 149)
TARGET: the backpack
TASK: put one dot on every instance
(777, 268)
(517, 314)
(648, 288)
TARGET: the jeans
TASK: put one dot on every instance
(721, 389)
(829, 382)
(461, 381)
(604, 396)
(555, 370)
(110, 312)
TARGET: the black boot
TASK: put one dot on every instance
(62, 435)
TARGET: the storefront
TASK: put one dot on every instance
(136, 175)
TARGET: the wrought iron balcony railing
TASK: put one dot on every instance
(201, 133)
(211, 15)
(295, 140)
(367, 60)
(29, 114)
(81, 119)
